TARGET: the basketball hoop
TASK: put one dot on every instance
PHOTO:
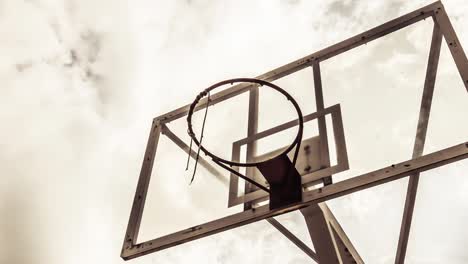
(296, 142)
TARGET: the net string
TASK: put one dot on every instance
(201, 140)
(189, 154)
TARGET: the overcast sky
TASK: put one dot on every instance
(82, 80)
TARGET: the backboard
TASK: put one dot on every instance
(323, 153)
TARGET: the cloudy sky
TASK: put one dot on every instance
(82, 80)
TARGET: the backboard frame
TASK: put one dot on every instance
(419, 163)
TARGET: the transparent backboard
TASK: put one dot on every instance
(249, 123)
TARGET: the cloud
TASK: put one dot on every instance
(81, 81)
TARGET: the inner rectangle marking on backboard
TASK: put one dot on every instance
(308, 179)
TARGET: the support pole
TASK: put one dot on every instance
(420, 139)
(295, 240)
(320, 234)
(322, 126)
(252, 129)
